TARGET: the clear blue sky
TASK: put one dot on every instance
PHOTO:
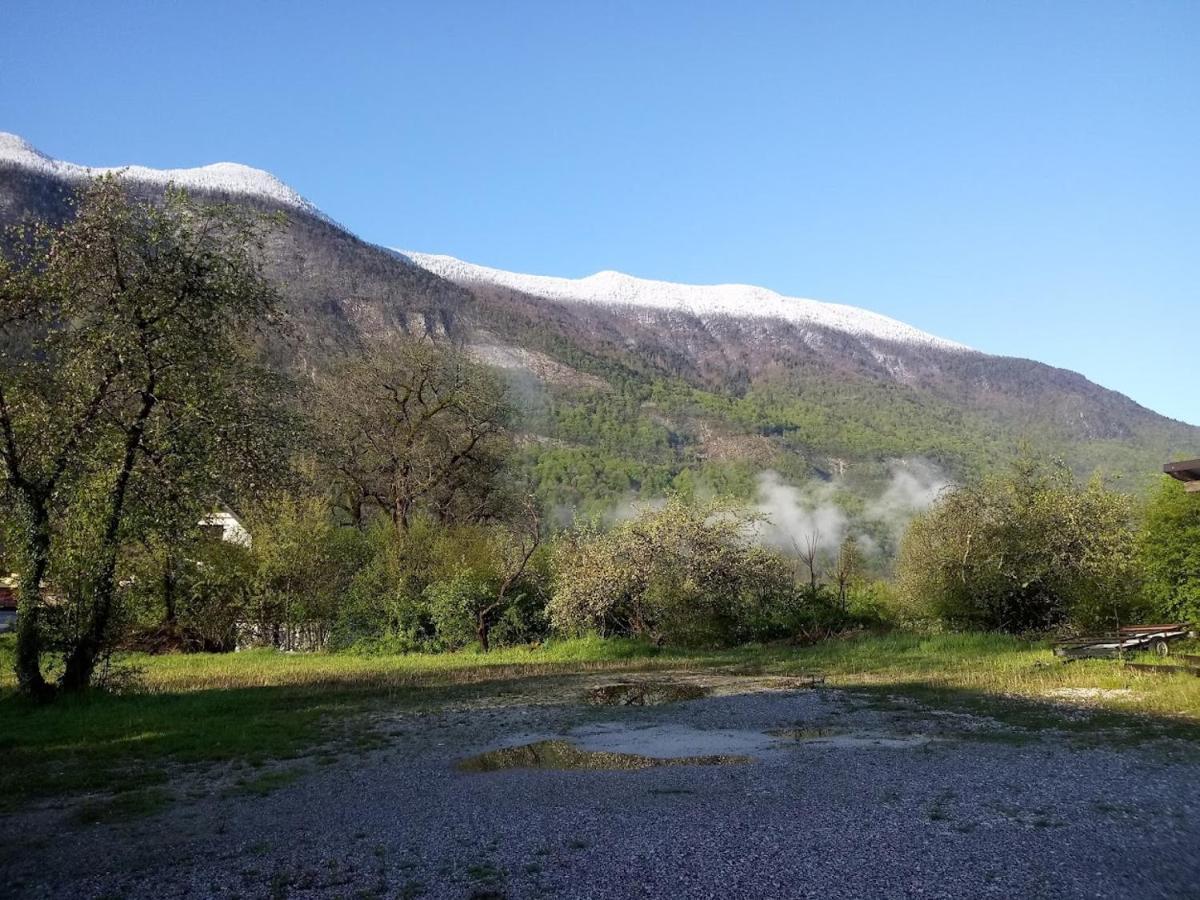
(1023, 177)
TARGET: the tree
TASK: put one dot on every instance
(1170, 552)
(412, 424)
(517, 544)
(809, 554)
(846, 569)
(676, 574)
(304, 565)
(1023, 550)
(482, 568)
(126, 393)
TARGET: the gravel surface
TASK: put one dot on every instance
(847, 799)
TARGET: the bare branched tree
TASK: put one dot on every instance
(808, 551)
(412, 424)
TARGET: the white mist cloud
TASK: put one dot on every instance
(632, 508)
(795, 515)
(913, 487)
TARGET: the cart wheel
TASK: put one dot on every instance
(1162, 648)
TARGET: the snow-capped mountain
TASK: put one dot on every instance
(776, 377)
(704, 301)
(222, 177)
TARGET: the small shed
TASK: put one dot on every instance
(224, 524)
(1188, 472)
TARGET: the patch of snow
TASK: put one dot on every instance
(740, 301)
(222, 177)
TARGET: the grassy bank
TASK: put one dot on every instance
(248, 708)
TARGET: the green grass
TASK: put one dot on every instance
(245, 709)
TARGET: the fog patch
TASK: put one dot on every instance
(797, 517)
(913, 486)
(793, 516)
(633, 508)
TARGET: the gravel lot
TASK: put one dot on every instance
(853, 799)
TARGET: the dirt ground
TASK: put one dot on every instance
(652, 786)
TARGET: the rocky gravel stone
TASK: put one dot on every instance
(919, 805)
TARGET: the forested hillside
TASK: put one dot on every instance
(617, 403)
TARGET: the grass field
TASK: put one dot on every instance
(247, 709)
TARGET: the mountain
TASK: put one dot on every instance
(636, 386)
(338, 287)
(737, 301)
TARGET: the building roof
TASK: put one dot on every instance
(1187, 471)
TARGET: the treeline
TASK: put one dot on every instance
(676, 574)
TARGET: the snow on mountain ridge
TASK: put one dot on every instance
(226, 177)
(735, 300)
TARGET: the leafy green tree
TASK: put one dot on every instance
(1170, 552)
(124, 391)
(484, 574)
(1023, 550)
(304, 565)
(846, 569)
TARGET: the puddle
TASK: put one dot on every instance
(620, 745)
(644, 693)
(671, 740)
(843, 739)
(565, 755)
(873, 741)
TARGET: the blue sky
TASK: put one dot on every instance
(1020, 176)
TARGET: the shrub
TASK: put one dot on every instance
(452, 606)
(1026, 550)
(1170, 552)
(304, 565)
(679, 574)
(214, 595)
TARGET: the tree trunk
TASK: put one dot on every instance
(482, 628)
(169, 583)
(29, 601)
(81, 661)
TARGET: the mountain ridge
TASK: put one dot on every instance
(226, 177)
(632, 402)
(739, 300)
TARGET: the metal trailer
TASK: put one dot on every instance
(1127, 639)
